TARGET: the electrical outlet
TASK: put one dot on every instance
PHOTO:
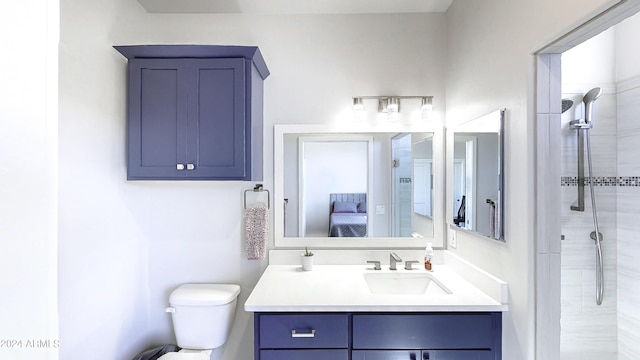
(380, 210)
(453, 239)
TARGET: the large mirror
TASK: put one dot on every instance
(475, 175)
(376, 188)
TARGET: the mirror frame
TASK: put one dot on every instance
(281, 242)
(500, 114)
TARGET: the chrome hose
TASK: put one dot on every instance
(596, 235)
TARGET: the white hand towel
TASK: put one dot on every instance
(256, 231)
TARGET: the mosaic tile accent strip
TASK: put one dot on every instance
(602, 181)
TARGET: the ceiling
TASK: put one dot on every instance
(295, 6)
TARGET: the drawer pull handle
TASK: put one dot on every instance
(295, 334)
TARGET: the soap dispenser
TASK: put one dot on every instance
(428, 257)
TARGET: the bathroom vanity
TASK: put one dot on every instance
(353, 312)
(378, 335)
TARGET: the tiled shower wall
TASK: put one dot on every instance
(628, 218)
(610, 331)
(589, 331)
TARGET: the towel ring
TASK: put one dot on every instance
(258, 188)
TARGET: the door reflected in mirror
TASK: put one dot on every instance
(346, 185)
(476, 168)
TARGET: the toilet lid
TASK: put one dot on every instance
(204, 294)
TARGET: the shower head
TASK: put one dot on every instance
(588, 101)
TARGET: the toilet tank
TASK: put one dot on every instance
(202, 314)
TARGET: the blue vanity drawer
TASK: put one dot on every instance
(340, 354)
(304, 331)
(426, 331)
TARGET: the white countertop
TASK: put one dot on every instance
(286, 288)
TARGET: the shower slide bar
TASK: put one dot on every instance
(580, 125)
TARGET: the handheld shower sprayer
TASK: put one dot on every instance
(583, 126)
(588, 100)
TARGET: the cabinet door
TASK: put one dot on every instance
(217, 126)
(157, 118)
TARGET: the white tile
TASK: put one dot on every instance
(590, 333)
(555, 84)
(628, 338)
(589, 356)
(571, 292)
(628, 152)
(542, 272)
(628, 215)
(543, 83)
(628, 110)
(603, 155)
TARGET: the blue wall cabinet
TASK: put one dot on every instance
(378, 336)
(194, 112)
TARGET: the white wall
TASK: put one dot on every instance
(28, 130)
(126, 245)
(103, 220)
(490, 66)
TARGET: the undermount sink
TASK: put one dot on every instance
(404, 283)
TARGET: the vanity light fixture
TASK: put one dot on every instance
(358, 109)
(426, 107)
(391, 105)
(358, 105)
(392, 109)
(427, 103)
(394, 105)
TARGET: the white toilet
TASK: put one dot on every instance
(202, 317)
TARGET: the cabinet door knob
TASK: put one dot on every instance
(180, 166)
(190, 166)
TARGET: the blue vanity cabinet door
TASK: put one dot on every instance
(157, 118)
(307, 354)
(216, 126)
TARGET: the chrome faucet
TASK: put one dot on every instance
(393, 259)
